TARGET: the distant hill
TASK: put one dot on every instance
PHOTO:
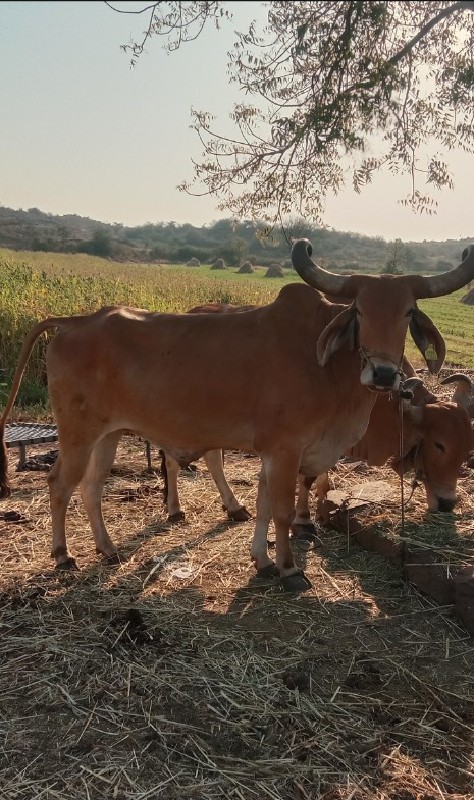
(234, 242)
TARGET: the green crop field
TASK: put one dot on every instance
(36, 285)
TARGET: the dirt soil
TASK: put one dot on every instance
(178, 674)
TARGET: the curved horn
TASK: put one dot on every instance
(420, 395)
(312, 274)
(447, 282)
(410, 384)
(463, 391)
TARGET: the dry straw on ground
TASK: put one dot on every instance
(176, 674)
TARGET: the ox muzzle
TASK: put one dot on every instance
(445, 504)
(379, 373)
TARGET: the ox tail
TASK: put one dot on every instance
(25, 352)
(5, 490)
(164, 475)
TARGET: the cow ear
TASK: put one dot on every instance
(341, 331)
(428, 340)
(405, 464)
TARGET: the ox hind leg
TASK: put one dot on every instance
(215, 464)
(66, 473)
(92, 486)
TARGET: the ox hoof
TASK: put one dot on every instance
(270, 571)
(112, 560)
(68, 565)
(298, 582)
(304, 531)
(240, 515)
(180, 516)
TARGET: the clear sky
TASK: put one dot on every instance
(82, 133)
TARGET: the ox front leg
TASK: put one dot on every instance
(259, 549)
(173, 505)
(281, 471)
(302, 527)
(92, 486)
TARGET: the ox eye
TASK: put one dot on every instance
(439, 446)
(410, 312)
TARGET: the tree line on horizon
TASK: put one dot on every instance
(234, 242)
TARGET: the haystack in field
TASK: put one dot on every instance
(219, 263)
(274, 271)
(246, 268)
(468, 299)
(193, 262)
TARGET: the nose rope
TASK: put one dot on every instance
(367, 358)
(418, 472)
(402, 487)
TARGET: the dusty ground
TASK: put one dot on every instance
(177, 674)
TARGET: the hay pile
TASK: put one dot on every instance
(246, 268)
(177, 674)
(275, 271)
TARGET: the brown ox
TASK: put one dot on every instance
(304, 379)
(436, 440)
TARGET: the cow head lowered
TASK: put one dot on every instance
(438, 438)
(377, 328)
